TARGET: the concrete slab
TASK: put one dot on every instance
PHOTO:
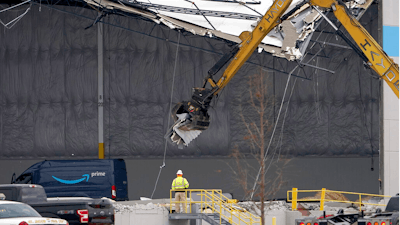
(291, 216)
(279, 215)
(338, 204)
(145, 202)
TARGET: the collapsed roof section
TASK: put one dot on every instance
(226, 19)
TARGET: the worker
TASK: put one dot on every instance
(179, 184)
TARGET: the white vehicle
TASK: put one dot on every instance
(17, 213)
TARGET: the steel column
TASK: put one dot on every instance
(100, 88)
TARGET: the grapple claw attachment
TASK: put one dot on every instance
(180, 133)
(191, 118)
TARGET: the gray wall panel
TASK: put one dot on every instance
(391, 15)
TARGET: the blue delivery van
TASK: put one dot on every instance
(79, 178)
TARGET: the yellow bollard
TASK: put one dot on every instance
(294, 199)
(322, 199)
(274, 220)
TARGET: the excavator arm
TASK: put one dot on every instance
(250, 41)
(371, 52)
(191, 117)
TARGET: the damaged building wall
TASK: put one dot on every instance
(49, 91)
(391, 104)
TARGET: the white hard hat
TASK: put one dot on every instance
(179, 172)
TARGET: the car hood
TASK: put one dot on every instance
(32, 220)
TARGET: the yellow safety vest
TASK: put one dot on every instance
(179, 183)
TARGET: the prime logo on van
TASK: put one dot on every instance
(84, 177)
(99, 174)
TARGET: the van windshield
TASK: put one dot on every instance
(24, 179)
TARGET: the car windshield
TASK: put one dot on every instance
(17, 210)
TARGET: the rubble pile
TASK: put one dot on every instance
(254, 207)
(122, 208)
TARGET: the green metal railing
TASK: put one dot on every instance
(215, 201)
(294, 200)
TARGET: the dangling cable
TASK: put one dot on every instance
(10, 24)
(364, 114)
(273, 132)
(201, 13)
(244, 4)
(170, 107)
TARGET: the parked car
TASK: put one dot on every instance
(76, 210)
(95, 178)
(17, 213)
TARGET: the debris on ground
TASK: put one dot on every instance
(122, 208)
(254, 207)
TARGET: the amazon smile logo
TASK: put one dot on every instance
(84, 176)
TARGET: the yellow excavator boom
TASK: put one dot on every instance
(250, 41)
(377, 58)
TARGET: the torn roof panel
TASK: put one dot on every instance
(233, 26)
(229, 18)
(213, 6)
